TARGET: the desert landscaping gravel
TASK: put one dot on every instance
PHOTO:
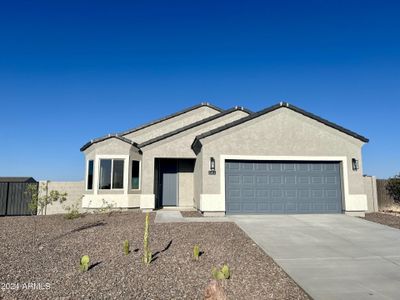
(191, 214)
(53, 264)
(389, 219)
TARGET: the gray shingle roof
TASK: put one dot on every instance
(171, 116)
(121, 137)
(196, 146)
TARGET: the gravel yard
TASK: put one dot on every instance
(389, 219)
(191, 214)
(172, 275)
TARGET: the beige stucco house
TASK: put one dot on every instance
(278, 160)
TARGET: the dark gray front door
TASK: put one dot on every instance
(282, 187)
(169, 182)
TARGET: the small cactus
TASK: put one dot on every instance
(217, 274)
(126, 247)
(196, 252)
(226, 271)
(84, 263)
(147, 256)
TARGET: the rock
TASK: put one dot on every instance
(214, 291)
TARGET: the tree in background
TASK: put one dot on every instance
(393, 188)
(40, 197)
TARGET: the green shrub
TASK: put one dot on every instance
(196, 252)
(73, 210)
(84, 263)
(126, 247)
(72, 214)
(147, 256)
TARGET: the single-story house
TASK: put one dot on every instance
(280, 160)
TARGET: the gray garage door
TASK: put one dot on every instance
(282, 187)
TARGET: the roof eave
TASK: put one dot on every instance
(110, 136)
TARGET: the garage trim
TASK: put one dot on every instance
(341, 159)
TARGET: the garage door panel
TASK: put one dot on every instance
(290, 180)
(283, 187)
(303, 180)
(331, 194)
(248, 179)
(248, 193)
(274, 167)
(290, 194)
(275, 179)
(261, 180)
(234, 179)
(234, 194)
(289, 167)
(302, 167)
(262, 194)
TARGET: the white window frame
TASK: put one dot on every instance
(140, 176)
(96, 182)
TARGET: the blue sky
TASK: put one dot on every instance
(74, 70)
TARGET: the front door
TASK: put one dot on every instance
(169, 182)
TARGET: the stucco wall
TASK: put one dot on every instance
(371, 192)
(169, 125)
(74, 189)
(282, 133)
(178, 146)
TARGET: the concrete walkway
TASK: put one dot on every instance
(331, 256)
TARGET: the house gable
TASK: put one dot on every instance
(245, 112)
(171, 123)
(161, 126)
(197, 144)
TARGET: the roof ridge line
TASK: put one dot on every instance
(170, 116)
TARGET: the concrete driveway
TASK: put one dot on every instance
(331, 256)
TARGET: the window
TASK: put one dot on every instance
(118, 174)
(111, 174)
(90, 175)
(135, 174)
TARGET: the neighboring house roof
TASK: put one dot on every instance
(195, 124)
(196, 146)
(17, 179)
(171, 116)
(110, 136)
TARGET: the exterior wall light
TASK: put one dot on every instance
(354, 164)
(212, 166)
